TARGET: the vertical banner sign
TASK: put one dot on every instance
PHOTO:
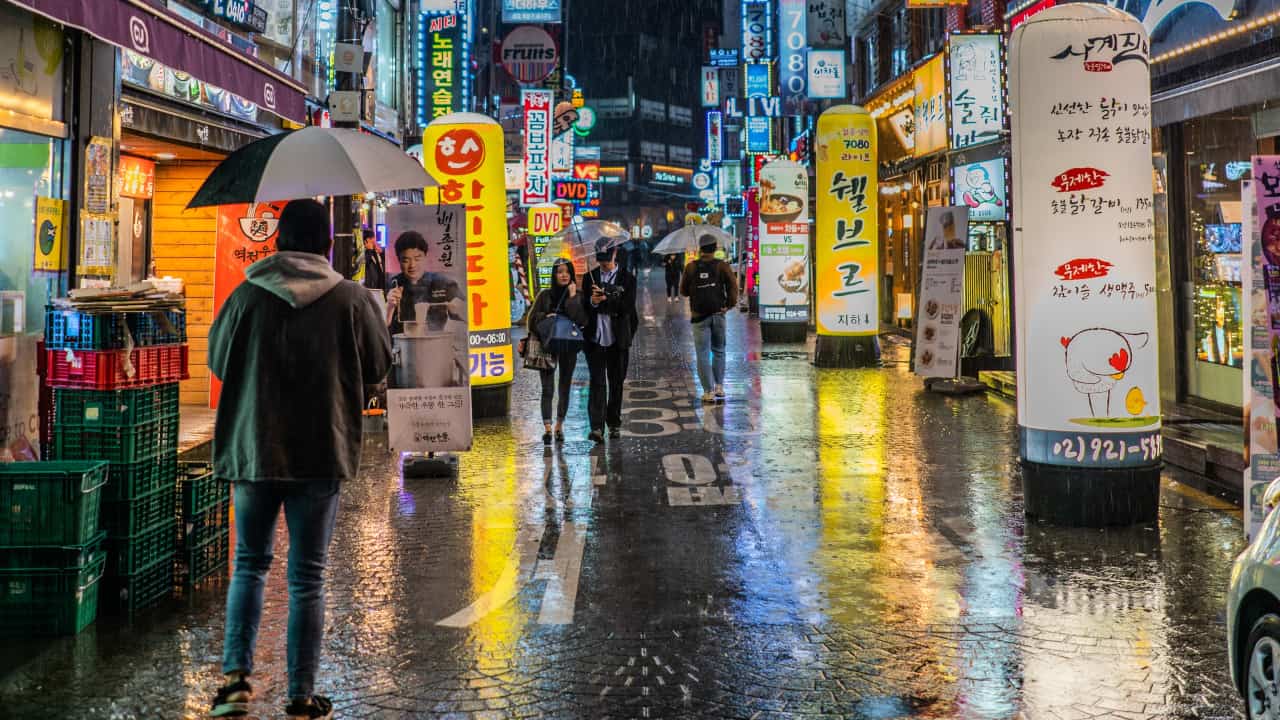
(977, 82)
(1262, 455)
(784, 242)
(715, 134)
(793, 41)
(429, 389)
(537, 147)
(826, 23)
(440, 83)
(757, 30)
(545, 221)
(753, 243)
(464, 152)
(50, 240)
(1266, 224)
(562, 140)
(245, 235)
(710, 87)
(937, 345)
(1084, 242)
(847, 234)
(930, 105)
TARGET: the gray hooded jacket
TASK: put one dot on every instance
(294, 347)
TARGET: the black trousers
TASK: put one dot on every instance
(565, 364)
(673, 284)
(608, 366)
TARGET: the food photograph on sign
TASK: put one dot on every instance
(784, 242)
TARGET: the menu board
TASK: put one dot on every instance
(784, 242)
(1088, 371)
(937, 345)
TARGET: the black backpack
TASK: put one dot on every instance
(708, 296)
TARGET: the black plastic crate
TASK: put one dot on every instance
(199, 529)
(130, 554)
(75, 330)
(126, 518)
(200, 562)
(146, 588)
(200, 490)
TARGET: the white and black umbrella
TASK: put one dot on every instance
(690, 237)
(307, 163)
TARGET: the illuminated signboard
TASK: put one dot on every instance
(759, 80)
(613, 174)
(723, 57)
(977, 79)
(759, 134)
(791, 73)
(826, 74)
(710, 87)
(930, 105)
(530, 11)
(440, 85)
(715, 132)
(537, 150)
(980, 186)
(135, 177)
(664, 177)
(241, 13)
(757, 30)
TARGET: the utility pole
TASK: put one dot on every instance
(344, 244)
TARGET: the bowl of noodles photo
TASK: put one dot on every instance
(779, 208)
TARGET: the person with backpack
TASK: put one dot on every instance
(712, 289)
(561, 299)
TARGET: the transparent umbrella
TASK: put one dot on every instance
(581, 240)
(689, 238)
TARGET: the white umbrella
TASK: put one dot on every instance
(582, 239)
(689, 239)
(311, 162)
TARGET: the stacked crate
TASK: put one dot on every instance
(115, 396)
(51, 555)
(204, 523)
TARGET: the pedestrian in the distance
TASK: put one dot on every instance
(562, 298)
(673, 265)
(712, 289)
(612, 323)
(294, 346)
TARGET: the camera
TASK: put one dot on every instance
(611, 292)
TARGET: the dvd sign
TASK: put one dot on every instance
(575, 191)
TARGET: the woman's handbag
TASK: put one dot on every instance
(535, 355)
(560, 334)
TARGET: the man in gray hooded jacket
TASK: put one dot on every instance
(294, 346)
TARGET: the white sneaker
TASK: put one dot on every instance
(708, 397)
(719, 393)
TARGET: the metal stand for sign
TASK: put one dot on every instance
(430, 465)
(836, 351)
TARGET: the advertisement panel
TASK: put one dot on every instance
(135, 178)
(792, 77)
(529, 54)
(710, 87)
(537, 146)
(752, 283)
(759, 134)
(530, 11)
(429, 388)
(930, 106)
(50, 240)
(980, 186)
(1084, 242)
(245, 234)
(757, 30)
(464, 152)
(440, 92)
(827, 23)
(784, 242)
(1262, 451)
(826, 74)
(937, 345)
(977, 90)
(846, 235)
(758, 79)
(715, 132)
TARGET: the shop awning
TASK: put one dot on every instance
(1237, 88)
(151, 31)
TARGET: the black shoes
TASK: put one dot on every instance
(615, 432)
(318, 708)
(232, 701)
(559, 436)
(596, 436)
(546, 438)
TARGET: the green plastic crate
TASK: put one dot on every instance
(50, 503)
(49, 557)
(200, 562)
(115, 408)
(133, 444)
(129, 594)
(130, 554)
(201, 491)
(125, 518)
(37, 602)
(131, 480)
(201, 528)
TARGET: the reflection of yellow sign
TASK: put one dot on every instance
(847, 236)
(463, 152)
(50, 221)
(930, 106)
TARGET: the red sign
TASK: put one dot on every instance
(136, 178)
(1097, 66)
(1083, 269)
(572, 190)
(586, 170)
(1082, 178)
(1022, 16)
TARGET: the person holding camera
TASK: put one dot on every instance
(612, 323)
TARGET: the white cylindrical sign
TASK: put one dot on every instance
(1084, 243)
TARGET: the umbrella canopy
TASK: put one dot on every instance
(310, 162)
(689, 239)
(581, 240)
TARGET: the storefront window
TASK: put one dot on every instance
(31, 167)
(1218, 151)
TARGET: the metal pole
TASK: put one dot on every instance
(344, 249)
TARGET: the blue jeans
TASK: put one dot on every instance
(708, 343)
(309, 511)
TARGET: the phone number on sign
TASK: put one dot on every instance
(1150, 447)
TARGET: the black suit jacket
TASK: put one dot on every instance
(622, 310)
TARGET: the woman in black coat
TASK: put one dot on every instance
(561, 298)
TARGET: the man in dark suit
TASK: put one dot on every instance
(613, 321)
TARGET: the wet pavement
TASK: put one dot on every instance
(827, 543)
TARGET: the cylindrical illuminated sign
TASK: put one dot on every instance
(784, 243)
(1084, 243)
(463, 151)
(847, 262)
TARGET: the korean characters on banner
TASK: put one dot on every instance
(537, 147)
(792, 70)
(937, 345)
(464, 152)
(1262, 454)
(977, 80)
(847, 236)
(752, 283)
(784, 242)
(1084, 243)
(429, 389)
(245, 235)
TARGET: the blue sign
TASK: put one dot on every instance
(723, 57)
(758, 80)
(530, 11)
(759, 135)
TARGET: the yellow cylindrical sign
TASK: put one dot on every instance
(847, 263)
(463, 152)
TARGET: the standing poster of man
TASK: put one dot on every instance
(429, 390)
(937, 346)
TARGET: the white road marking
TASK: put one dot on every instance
(686, 469)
